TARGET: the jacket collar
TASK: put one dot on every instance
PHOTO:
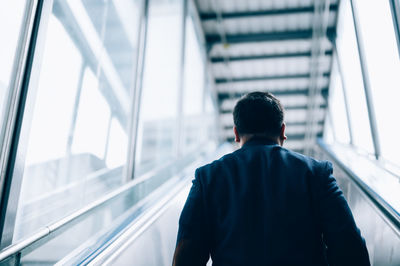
(259, 141)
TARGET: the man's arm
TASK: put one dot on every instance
(345, 244)
(192, 247)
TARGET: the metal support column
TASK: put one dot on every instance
(345, 96)
(395, 8)
(181, 90)
(135, 113)
(367, 84)
(10, 186)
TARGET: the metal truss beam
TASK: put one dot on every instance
(292, 76)
(212, 39)
(268, 12)
(218, 59)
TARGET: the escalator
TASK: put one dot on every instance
(378, 221)
(144, 233)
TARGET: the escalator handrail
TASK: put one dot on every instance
(385, 209)
(79, 214)
(114, 246)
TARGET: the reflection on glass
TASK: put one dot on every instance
(194, 124)
(158, 115)
(92, 122)
(210, 123)
(350, 62)
(55, 99)
(382, 57)
(11, 16)
(193, 72)
(337, 107)
(76, 131)
(117, 145)
(328, 136)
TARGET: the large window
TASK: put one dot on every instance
(194, 122)
(158, 122)
(382, 59)
(71, 177)
(193, 71)
(73, 144)
(351, 70)
(211, 112)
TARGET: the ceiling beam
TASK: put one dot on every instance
(226, 95)
(268, 12)
(291, 76)
(212, 39)
(219, 59)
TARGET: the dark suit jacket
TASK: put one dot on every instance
(266, 205)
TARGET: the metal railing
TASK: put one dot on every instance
(49, 232)
(387, 212)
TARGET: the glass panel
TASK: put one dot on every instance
(382, 57)
(194, 77)
(328, 130)
(193, 72)
(85, 238)
(11, 16)
(350, 62)
(337, 107)
(76, 123)
(92, 122)
(211, 124)
(117, 145)
(158, 115)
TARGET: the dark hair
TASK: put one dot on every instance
(258, 113)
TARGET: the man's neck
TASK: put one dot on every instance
(247, 138)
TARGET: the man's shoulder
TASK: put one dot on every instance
(313, 162)
(218, 163)
(290, 157)
(314, 165)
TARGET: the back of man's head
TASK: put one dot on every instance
(258, 113)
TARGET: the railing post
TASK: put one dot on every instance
(367, 84)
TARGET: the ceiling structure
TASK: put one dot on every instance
(280, 46)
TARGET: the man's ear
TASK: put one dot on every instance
(282, 135)
(237, 137)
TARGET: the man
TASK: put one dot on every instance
(266, 205)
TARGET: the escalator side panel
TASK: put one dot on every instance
(382, 241)
(156, 245)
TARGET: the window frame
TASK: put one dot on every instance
(25, 60)
(395, 9)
